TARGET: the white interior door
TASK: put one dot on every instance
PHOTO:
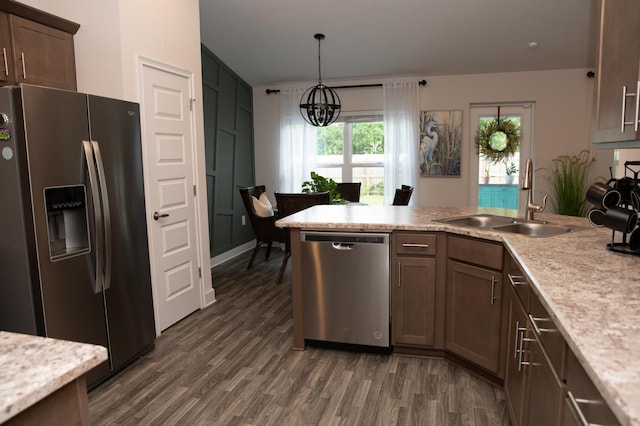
(169, 146)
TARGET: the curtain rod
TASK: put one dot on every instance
(421, 83)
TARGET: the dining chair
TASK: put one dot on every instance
(349, 191)
(403, 195)
(290, 203)
(262, 221)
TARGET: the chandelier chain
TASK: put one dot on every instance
(319, 67)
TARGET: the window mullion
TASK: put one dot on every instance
(347, 150)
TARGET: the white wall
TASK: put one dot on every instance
(114, 34)
(563, 101)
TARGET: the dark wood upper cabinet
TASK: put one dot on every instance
(6, 62)
(36, 47)
(618, 58)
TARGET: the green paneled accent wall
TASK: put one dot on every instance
(228, 134)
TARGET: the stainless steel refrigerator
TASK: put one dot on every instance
(74, 260)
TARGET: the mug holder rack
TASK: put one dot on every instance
(623, 246)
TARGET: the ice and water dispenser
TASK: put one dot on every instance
(67, 221)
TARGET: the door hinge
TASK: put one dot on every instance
(199, 273)
(192, 101)
(194, 190)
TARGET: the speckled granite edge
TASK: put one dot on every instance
(33, 367)
(592, 294)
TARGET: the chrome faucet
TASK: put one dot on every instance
(527, 185)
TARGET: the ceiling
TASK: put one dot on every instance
(271, 42)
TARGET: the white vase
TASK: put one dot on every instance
(509, 179)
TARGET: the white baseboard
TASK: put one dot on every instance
(228, 255)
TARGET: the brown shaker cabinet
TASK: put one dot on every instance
(414, 290)
(544, 391)
(474, 302)
(36, 47)
(618, 59)
(42, 55)
(6, 62)
(583, 402)
(516, 359)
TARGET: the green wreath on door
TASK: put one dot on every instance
(498, 140)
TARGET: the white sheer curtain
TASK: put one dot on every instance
(297, 143)
(401, 136)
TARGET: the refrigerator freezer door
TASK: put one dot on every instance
(115, 128)
(55, 124)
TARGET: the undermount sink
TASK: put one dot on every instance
(479, 221)
(538, 230)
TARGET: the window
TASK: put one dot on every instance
(352, 150)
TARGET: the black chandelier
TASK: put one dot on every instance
(320, 105)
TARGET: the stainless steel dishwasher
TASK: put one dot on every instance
(345, 287)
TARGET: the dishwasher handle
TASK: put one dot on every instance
(342, 246)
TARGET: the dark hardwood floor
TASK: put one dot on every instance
(232, 364)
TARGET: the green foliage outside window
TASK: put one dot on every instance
(367, 138)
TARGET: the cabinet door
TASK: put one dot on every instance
(42, 55)
(544, 393)
(473, 310)
(414, 307)
(6, 61)
(516, 371)
(618, 56)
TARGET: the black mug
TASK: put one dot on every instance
(602, 195)
(635, 198)
(596, 217)
(620, 219)
(624, 186)
(634, 240)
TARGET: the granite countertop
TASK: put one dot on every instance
(592, 293)
(33, 367)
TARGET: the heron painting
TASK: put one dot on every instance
(440, 143)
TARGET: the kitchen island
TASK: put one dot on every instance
(591, 293)
(42, 379)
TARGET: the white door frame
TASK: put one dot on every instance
(527, 145)
(207, 293)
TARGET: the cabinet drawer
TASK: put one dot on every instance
(415, 244)
(548, 334)
(475, 251)
(583, 398)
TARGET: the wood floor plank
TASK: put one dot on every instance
(232, 363)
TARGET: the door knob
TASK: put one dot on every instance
(157, 215)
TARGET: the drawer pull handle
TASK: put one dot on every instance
(415, 245)
(493, 289)
(538, 330)
(6, 64)
(626, 95)
(516, 280)
(575, 403)
(516, 339)
(24, 67)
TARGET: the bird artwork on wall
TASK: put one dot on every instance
(429, 142)
(440, 143)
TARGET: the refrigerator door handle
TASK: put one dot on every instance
(97, 213)
(106, 214)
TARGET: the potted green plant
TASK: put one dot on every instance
(487, 171)
(510, 169)
(320, 183)
(569, 174)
